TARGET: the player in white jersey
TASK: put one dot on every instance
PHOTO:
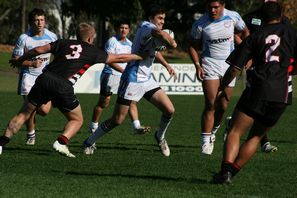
(137, 82)
(36, 36)
(213, 33)
(110, 79)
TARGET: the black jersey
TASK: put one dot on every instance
(271, 50)
(73, 58)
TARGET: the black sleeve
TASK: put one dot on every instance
(101, 56)
(241, 55)
(55, 46)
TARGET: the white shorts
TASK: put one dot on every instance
(215, 69)
(136, 90)
(109, 84)
(26, 82)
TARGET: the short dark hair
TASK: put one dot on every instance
(154, 10)
(121, 22)
(35, 12)
(220, 1)
(271, 11)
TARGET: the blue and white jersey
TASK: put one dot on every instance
(115, 46)
(27, 41)
(140, 71)
(217, 35)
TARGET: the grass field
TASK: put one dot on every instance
(128, 165)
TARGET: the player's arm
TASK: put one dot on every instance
(17, 62)
(30, 63)
(163, 62)
(230, 74)
(194, 47)
(122, 58)
(164, 36)
(116, 67)
(237, 61)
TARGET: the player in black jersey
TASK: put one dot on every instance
(264, 101)
(72, 59)
(254, 22)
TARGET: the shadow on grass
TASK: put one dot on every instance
(153, 177)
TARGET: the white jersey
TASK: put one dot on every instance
(217, 35)
(140, 71)
(27, 41)
(115, 46)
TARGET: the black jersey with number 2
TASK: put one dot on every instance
(271, 50)
(73, 58)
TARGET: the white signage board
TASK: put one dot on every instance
(186, 82)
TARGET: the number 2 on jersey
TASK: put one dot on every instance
(274, 40)
(75, 54)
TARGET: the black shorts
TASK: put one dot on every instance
(265, 112)
(50, 87)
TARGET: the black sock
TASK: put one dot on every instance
(4, 140)
(230, 167)
(63, 140)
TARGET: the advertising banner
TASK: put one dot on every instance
(186, 82)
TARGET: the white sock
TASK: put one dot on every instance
(205, 137)
(31, 134)
(136, 124)
(215, 129)
(94, 125)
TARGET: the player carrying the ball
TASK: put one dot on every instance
(137, 82)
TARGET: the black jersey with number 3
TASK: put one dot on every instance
(271, 50)
(73, 58)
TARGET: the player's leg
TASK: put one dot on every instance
(16, 122)
(210, 89)
(266, 146)
(159, 99)
(108, 85)
(239, 126)
(222, 103)
(102, 103)
(249, 147)
(119, 115)
(74, 123)
(133, 112)
(44, 109)
(30, 125)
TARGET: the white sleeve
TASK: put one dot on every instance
(110, 45)
(19, 48)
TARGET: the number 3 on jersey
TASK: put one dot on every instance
(75, 54)
(274, 41)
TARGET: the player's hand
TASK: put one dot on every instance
(171, 71)
(174, 44)
(36, 63)
(200, 74)
(14, 62)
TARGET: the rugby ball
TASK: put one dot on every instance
(161, 45)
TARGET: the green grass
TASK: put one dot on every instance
(127, 165)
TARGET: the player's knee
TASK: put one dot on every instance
(42, 112)
(102, 104)
(170, 111)
(210, 106)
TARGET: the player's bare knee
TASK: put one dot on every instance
(169, 111)
(13, 127)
